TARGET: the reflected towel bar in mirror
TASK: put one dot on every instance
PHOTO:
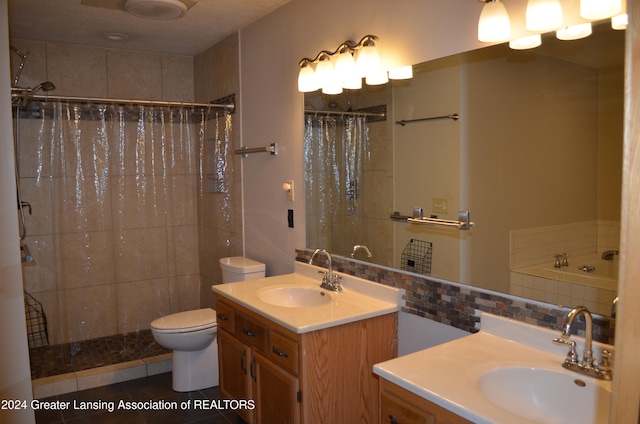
(244, 151)
(453, 116)
(463, 222)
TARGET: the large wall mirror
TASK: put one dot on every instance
(535, 156)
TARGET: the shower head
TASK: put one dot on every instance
(44, 86)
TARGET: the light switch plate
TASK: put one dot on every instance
(440, 205)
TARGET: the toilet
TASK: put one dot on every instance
(192, 335)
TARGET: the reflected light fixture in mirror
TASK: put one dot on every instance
(543, 15)
(620, 22)
(599, 9)
(574, 32)
(528, 42)
(494, 24)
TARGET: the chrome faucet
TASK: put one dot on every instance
(330, 281)
(601, 369)
(361, 247)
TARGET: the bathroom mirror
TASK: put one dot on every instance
(535, 156)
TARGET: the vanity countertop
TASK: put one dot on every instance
(448, 374)
(360, 299)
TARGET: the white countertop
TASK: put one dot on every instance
(447, 374)
(360, 299)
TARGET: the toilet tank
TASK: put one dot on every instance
(239, 268)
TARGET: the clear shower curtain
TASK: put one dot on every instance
(336, 150)
(114, 230)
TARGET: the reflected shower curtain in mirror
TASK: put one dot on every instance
(336, 152)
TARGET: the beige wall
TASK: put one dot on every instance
(15, 376)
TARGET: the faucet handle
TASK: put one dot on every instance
(604, 365)
(572, 355)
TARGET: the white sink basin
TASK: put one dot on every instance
(547, 396)
(295, 297)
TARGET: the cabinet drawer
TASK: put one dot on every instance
(225, 315)
(283, 351)
(251, 332)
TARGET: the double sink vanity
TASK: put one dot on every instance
(306, 354)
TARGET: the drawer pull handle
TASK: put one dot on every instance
(392, 420)
(279, 352)
(223, 317)
(248, 332)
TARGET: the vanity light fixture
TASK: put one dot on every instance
(345, 68)
(574, 32)
(543, 15)
(494, 24)
(599, 9)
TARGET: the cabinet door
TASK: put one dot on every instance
(234, 359)
(399, 406)
(275, 393)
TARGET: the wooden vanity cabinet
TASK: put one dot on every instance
(318, 377)
(400, 406)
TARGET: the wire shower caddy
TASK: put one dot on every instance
(416, 257)
(37, 333)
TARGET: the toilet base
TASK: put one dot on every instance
(196, 370)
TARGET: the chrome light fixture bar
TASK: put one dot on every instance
(345, 67)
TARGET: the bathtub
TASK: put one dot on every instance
(603, 274)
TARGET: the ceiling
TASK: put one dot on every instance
(89, 22)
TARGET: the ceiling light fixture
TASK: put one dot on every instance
(494, 25)
(345, 68)
(156, 9)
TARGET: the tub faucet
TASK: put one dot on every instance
(601, 369)
(330, 281)
(361, 247)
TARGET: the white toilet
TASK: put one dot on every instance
(192, 334)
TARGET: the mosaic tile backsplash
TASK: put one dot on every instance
(457, 305)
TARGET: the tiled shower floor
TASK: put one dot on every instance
(48, 361)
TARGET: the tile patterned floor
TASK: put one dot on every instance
(59, 359)
(155, 388)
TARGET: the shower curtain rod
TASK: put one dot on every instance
(45, 98)
(337, 112)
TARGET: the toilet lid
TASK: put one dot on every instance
(186, 321)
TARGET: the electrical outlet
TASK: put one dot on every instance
(439, 205)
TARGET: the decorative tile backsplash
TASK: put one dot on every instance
(457, 304)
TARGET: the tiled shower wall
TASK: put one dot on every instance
(171, 247)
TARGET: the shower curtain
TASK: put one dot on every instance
(337, 153)
(115, 193)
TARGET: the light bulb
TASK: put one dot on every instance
(620, 21)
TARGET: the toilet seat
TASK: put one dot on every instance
(186, 322)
